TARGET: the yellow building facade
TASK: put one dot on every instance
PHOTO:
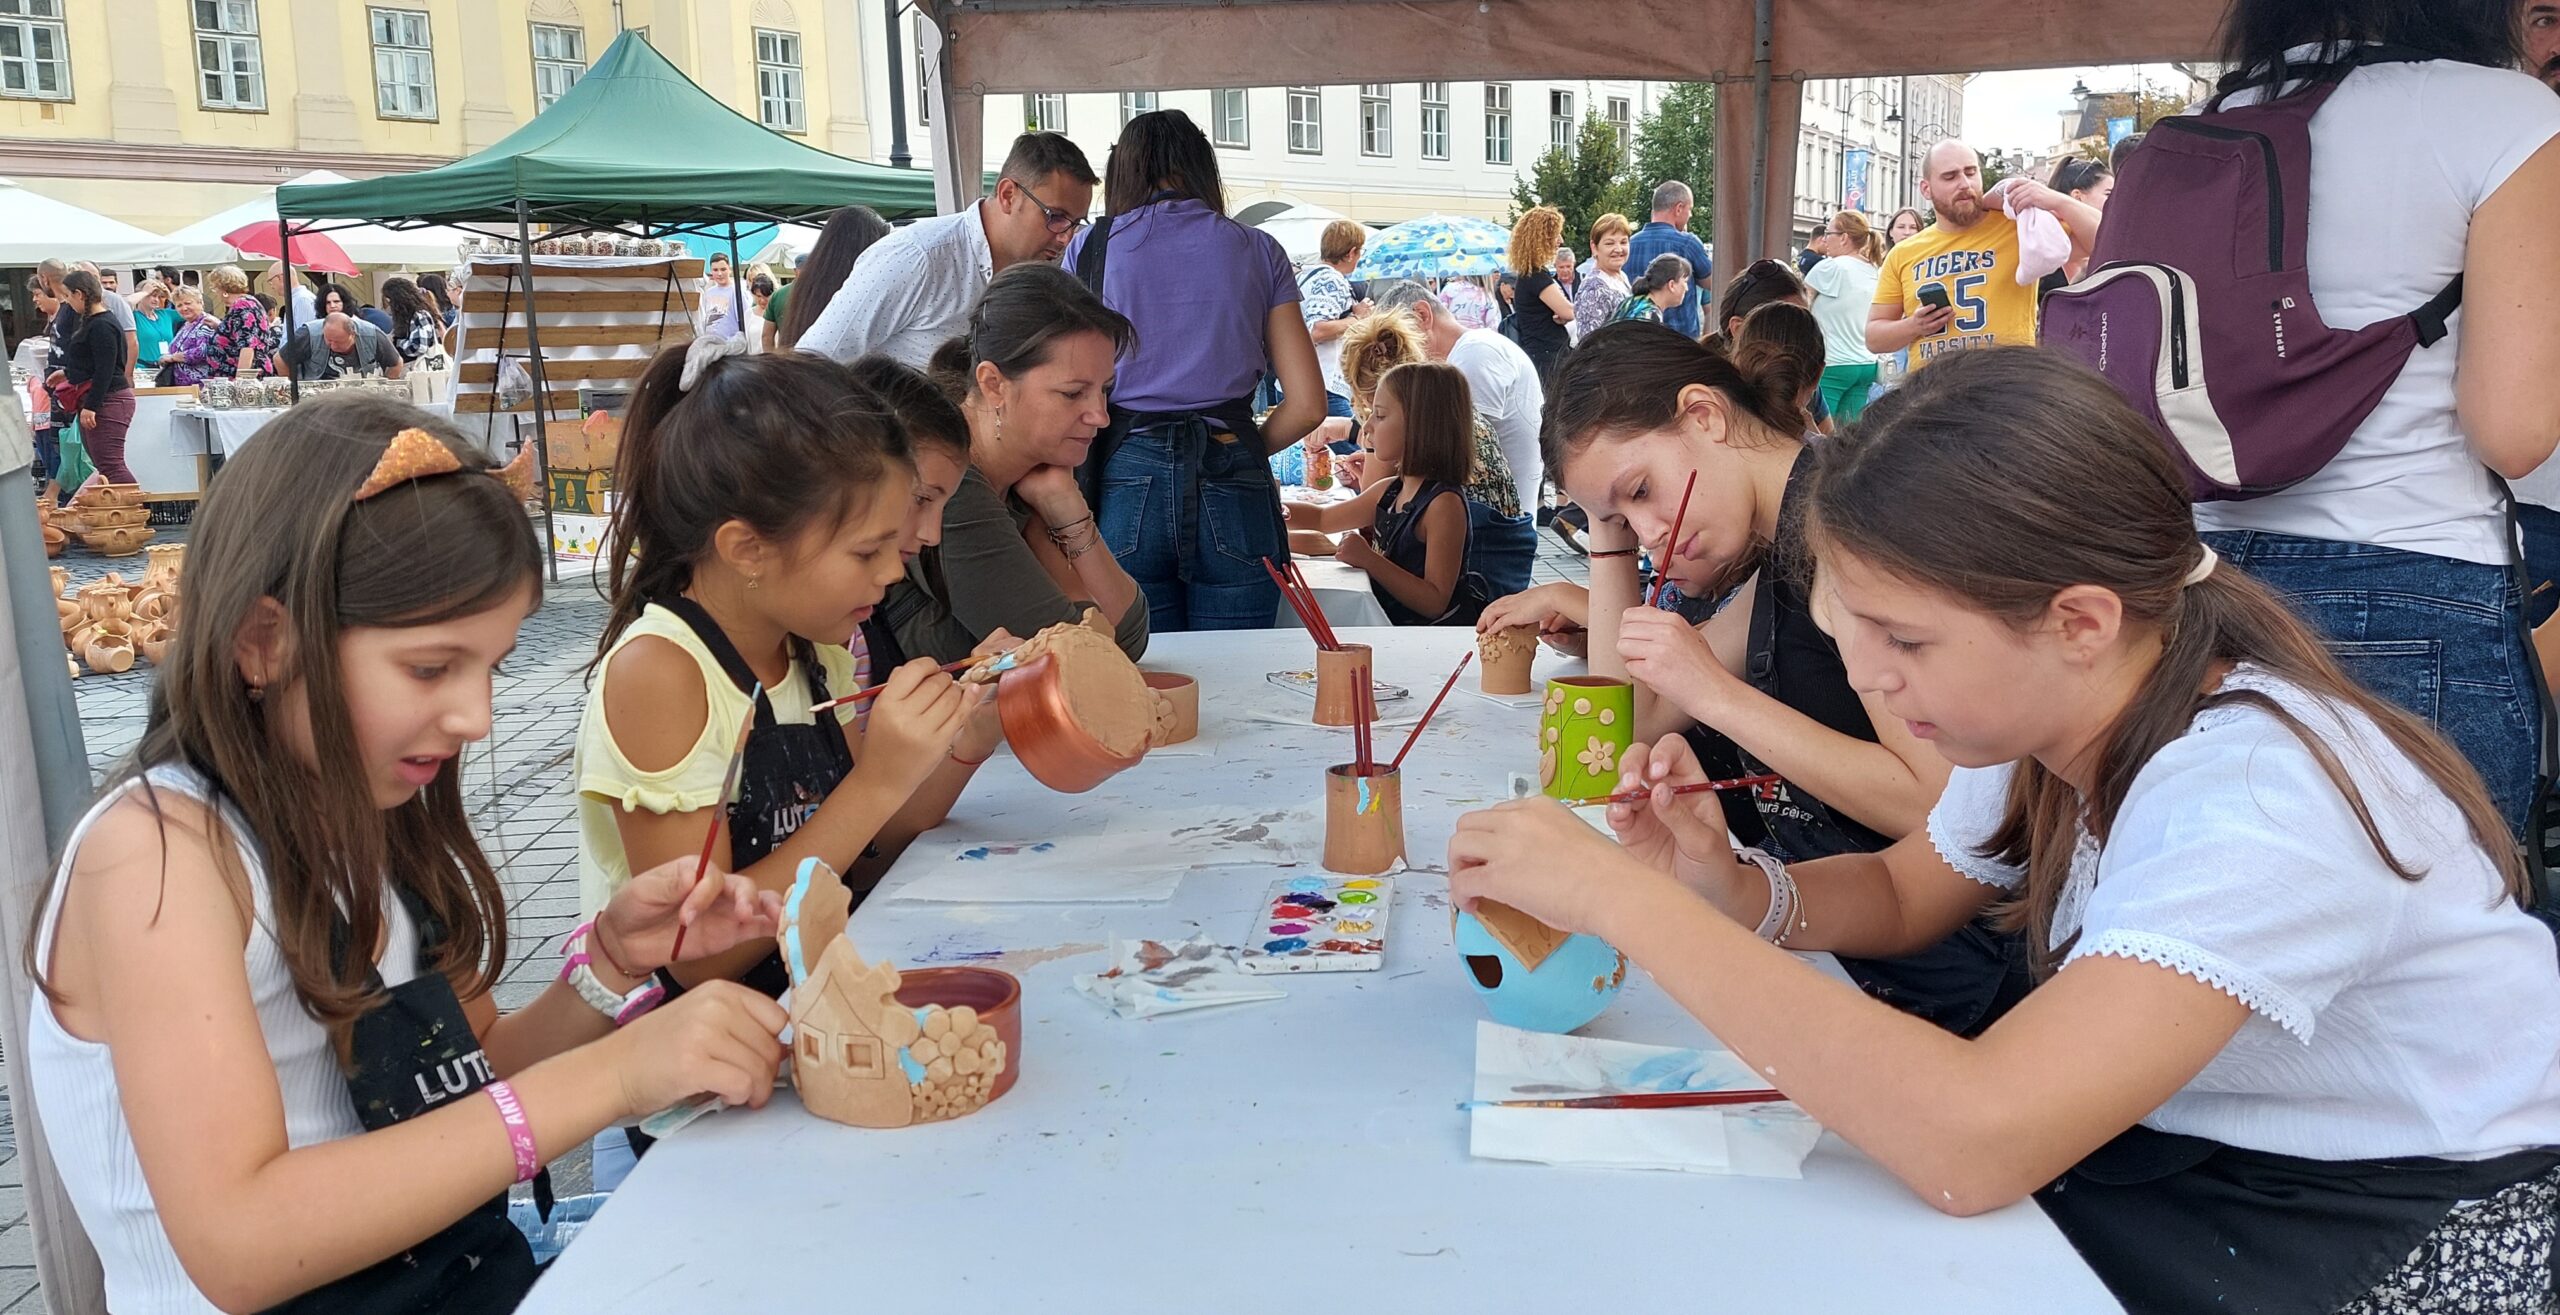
(160, 112)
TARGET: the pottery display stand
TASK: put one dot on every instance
(1507, 654)
(1338, 675)
(1178, 713)
(1363, 829)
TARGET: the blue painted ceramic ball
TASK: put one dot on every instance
(1567, 989)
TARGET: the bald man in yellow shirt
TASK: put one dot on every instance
(1970, 256)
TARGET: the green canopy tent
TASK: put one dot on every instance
(635, 147)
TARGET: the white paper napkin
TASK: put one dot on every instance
(1147, 978)
(1758, 1141)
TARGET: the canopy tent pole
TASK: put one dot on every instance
(737, 280)
(1762, 24)
(541, 384)
(293, 377)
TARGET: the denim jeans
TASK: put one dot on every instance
(2541, 527)
(2441, 637)
(1502, 549)
(1191, 513)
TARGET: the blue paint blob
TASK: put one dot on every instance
(907, 1062)
(1284, 945)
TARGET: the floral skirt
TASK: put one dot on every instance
(2488, 1257)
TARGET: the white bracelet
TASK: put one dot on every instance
(1780, 920)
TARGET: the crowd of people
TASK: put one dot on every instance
(2180, 851)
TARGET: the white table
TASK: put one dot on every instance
(1267, 1156)
(1344, 593)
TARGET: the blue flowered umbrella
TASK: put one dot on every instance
(1435, 247)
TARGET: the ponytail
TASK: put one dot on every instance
(1625, 379)
(1661, 272)
(1780, 351)
(1854, 226)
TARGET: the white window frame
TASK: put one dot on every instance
(782, 83)
(1622, 117)
(1135, 103)
(1497, 123)
(233, 36)
(1037, 107)
(404, 65)
(35, 23)
(1377, 119)
(1306, 132)
(1561, 127)
(564, 69)
(1435, 120)
(1231, 118)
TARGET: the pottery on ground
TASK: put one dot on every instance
(121, 541)
(109, 648)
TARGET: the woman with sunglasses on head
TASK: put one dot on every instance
(1180, 484)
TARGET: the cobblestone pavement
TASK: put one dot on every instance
(516, 786)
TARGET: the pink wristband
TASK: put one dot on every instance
(519, 1132)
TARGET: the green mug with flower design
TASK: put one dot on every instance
(1584, 727)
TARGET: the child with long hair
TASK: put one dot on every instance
(1781, 343)
(764, 505)
(1412, 509)
(267, 955)
(2290, 1045)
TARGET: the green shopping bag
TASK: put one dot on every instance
(75, 469)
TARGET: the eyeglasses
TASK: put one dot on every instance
(1059, 221)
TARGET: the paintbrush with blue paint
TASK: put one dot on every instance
(997, 665)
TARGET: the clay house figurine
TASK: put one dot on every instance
(845, 1067)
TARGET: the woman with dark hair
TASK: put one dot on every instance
(1019, 550)
(95, 381)
(1906, 223)
(2399, 549)
(1761, 283)
(416, 329)
(434, 286)
(2089, 182)
(1181, 481)
(849, 232)
(1663, 285)
(339, 299)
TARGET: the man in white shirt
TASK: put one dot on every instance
(306, 307)
(1500, 378)
(913, 290)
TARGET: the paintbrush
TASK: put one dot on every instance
(719, 808)
(1662, 569)
(1315, 607)
(1288, 590)
(1450, 684)
(1641, 1100)
(1697, 787)
(1000, 663)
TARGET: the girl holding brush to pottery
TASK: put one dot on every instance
(765, 504)
(2290, 1044)
(275, 1075)
(1412, 514)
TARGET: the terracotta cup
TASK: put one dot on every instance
(1058, 752)
(996, 995)
(1505, 657)
(1585, 727)
(1336, 687)
(1184, 693)
(1362, 841)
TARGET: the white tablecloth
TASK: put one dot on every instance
(1301, 1154)
(1342, 590)
(223, 433)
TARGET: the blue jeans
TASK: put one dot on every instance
(1191, 514)
(2541, 527)
(1502, 549)
(2441, 637)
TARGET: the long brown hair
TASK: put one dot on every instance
(2002, 477)
(1780, 346)
(281, 524)
(1439, 421)
(1534, 240)
(1625, 379)
(781, 442)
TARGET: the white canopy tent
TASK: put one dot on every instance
(1300, 229)
(790, 243)
(200, 243)
(35, 227)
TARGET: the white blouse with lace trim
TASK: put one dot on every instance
(2387, 1017)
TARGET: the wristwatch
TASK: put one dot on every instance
(579, 972)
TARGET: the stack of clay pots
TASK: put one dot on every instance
(109, 518)
(105, 623)
(54, 535)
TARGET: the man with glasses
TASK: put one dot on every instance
(912, 291)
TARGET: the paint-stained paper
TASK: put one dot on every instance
(1139, 859)
(1147, 978)
(1758, 1141)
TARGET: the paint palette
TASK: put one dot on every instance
(1320, 925)
(1304, 682)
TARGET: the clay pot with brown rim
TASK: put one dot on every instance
(995, 996)
(1031, 701)
(162, 566)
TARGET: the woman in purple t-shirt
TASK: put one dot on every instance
(1179, 483)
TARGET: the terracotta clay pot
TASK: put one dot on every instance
(108, 495)
(69, 614)
(1059, 753)
(1359, 841)
(155, 606)
(54, 539)
(167, 560)
(995, 995)
(153, 639)
(110, 647)
(1335, 686)
(1184, 694)
(1507, 655)
(105, 600)
(108, 518)
(121, 541)
(61, 579)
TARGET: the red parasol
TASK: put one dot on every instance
(310, 250)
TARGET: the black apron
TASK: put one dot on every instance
(787, 773)
(1398, 543)
(2177, 1224)
(414, 1052)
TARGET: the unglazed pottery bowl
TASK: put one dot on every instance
(994, 994)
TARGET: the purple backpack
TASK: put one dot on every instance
(2198, 306)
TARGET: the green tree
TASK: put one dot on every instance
(1590, 182)
(1678, 141)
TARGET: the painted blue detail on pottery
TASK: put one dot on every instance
(800, 879)
(907, 1062)
(1558, 997)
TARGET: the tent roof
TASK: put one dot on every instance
(35, 227)
(635, 141)
(200, 243)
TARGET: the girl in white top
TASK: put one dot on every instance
(2273, 916)
(245, 1113)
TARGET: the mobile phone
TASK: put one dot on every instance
(1935, 294)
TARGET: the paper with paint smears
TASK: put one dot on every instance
(1140, 862)
(1320, 925)
(1147, 978)
(1754, 1141)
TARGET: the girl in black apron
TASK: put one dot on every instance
(1421, 438)
(303, 760)
(2281, 909)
